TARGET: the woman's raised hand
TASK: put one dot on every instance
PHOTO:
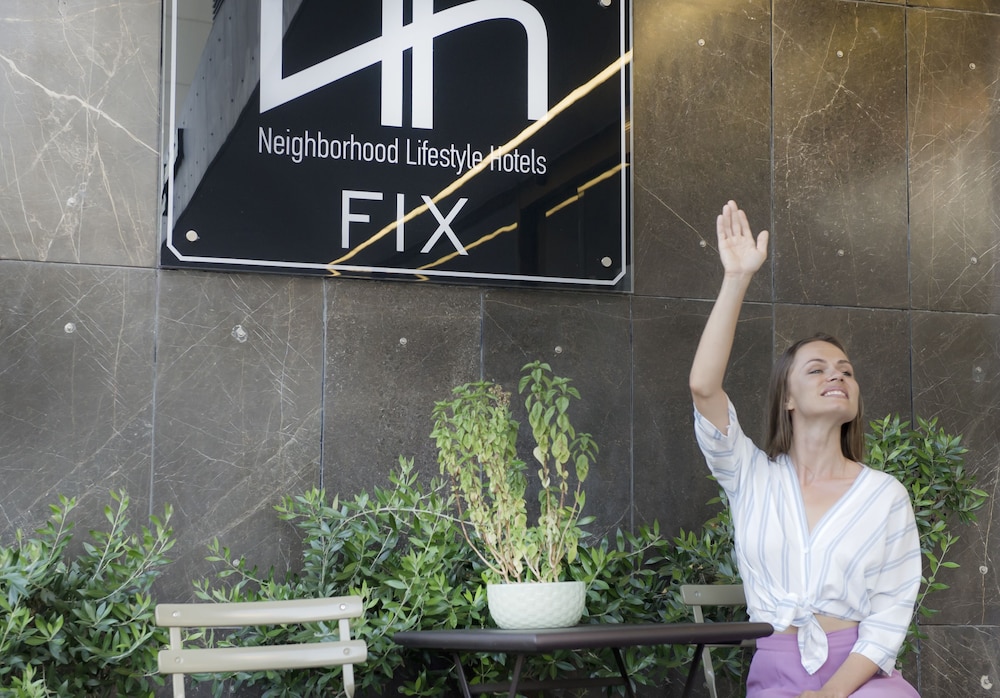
(741, 256)
(739, 252)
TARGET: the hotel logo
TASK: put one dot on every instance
(388, 51)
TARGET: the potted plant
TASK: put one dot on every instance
(476, 437)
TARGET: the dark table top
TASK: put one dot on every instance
(577, 637)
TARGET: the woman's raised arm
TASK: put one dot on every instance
(741, 257)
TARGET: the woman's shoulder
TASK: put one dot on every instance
(880, 478)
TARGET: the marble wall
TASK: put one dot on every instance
(864, 135)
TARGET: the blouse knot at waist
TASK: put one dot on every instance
(813, 647)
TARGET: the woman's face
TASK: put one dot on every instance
(821, 383)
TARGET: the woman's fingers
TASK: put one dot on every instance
(762, 242)
(741, 220)
(724, 223)
(732, 222)
(738, 225)
(738, 249)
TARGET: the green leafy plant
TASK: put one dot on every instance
(81, 624)
(397, 547)
(476, 437)
(27, 685)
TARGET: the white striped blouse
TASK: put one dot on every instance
(861, 562)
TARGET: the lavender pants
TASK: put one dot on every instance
(776, 670)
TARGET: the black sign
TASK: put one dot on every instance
(476, 141)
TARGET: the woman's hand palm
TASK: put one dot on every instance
(739, 252)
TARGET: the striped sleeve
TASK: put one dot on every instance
(894, 588)
(724, 453)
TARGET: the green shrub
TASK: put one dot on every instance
(81, 624)
(397, 547)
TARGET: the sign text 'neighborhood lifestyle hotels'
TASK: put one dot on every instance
(476, 141)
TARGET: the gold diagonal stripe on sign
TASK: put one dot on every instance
(570, 99)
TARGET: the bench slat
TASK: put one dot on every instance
(228, 659)
(216, 615)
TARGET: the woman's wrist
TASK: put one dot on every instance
(735, 283)
(834, 693)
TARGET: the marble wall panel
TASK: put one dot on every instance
(840, 153)
(702, 112)
(79, 145)
(960, 661)
(238, 412)
(393, 350)
(75, 390)
(584, 338)
(980, 6)
(671, 479)
(877, 342)
(956, 378)
(954, 104)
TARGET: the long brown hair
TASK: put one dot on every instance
(779, 420)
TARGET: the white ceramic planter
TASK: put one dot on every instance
(529, 605)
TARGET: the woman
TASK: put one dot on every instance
(827, 548)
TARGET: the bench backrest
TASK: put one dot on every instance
(699, 595)
(179, 661)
